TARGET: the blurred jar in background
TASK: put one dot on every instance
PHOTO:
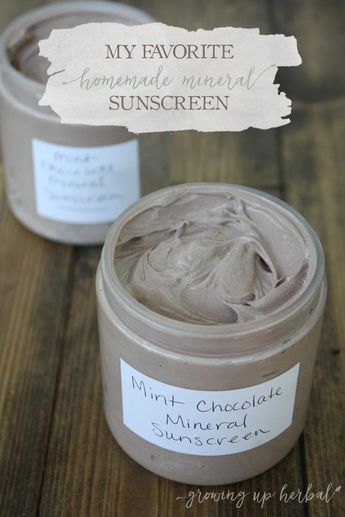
(65, 182)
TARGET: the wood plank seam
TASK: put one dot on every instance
(69, 290)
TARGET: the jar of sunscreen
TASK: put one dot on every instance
(210, 301)
(65, 182)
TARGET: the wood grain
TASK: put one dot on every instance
(314, 172)
(34, 288)
(34, 292)
(319, 29)
(312, 158)
(57, 455)
(86, 472)
(248, 158)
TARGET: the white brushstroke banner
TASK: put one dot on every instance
(154, 77)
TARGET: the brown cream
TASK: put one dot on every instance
(151, 356)
(212, 258)
(24, 54)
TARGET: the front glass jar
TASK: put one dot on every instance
(201, 403)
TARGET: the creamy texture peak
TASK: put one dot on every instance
(212, 258)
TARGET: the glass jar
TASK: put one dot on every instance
(65, 182)
(207, 404)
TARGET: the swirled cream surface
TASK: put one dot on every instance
(213, 257)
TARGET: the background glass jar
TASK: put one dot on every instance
(176, 394)
(65, 182)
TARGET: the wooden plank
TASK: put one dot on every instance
(2, 191)
(85, 465)
(314, 171)
(155, 156)
(34, 278)
(319, 29)
(313, 157)
(195, 14)
(215, 157)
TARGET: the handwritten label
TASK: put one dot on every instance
(207, 423)
(85, 185)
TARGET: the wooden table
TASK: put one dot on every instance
(58, 457)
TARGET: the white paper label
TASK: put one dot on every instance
(85, 185)
(207, 423)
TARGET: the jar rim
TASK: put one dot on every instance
(40, 13)
(235, 330)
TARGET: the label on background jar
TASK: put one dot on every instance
(85, 185)
(207, 423)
